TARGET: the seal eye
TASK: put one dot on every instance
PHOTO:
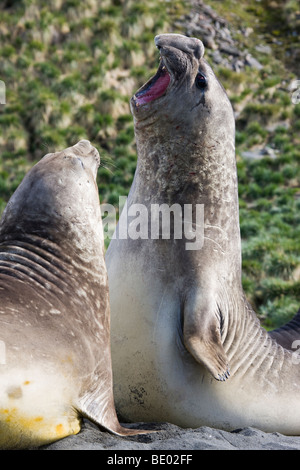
(200, 81)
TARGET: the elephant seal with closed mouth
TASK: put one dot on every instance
(55, 363)
(187, 347)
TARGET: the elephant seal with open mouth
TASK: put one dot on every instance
(187, 347)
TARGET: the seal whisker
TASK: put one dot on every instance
(214, 241)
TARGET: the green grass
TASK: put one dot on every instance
(70, 71)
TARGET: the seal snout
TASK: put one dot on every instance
(179, 56)
(84, 149)
(178, 41)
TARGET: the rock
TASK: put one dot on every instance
(203, 22)
(252, 62)
(247, 31)
(264, 49)
(228, 49)
(216, 57)
(258, 154)
(271, 127)
(238, 65)
(269, 152)
(171, 437)
(252, 154)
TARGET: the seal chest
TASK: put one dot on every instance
(186, 346)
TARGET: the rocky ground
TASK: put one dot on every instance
(171, 437)
(220, 36)
(215, 32)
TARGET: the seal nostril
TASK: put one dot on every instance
(81, 162)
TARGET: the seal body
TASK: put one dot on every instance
(55, 362)
(186, 346)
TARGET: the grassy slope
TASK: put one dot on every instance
(70, 68)
(269, 188)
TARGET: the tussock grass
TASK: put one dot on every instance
(70, 69)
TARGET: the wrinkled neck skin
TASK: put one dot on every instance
(178, 163)
(186, 155)
(52, 225)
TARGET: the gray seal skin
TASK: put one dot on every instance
(187, 347)
(54, 304)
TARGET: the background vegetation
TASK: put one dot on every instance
(71, 66)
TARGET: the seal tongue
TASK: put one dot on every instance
(155, 89)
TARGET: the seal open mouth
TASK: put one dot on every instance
(155, 87)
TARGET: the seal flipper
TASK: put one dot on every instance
(100, 409)
(202, 335)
